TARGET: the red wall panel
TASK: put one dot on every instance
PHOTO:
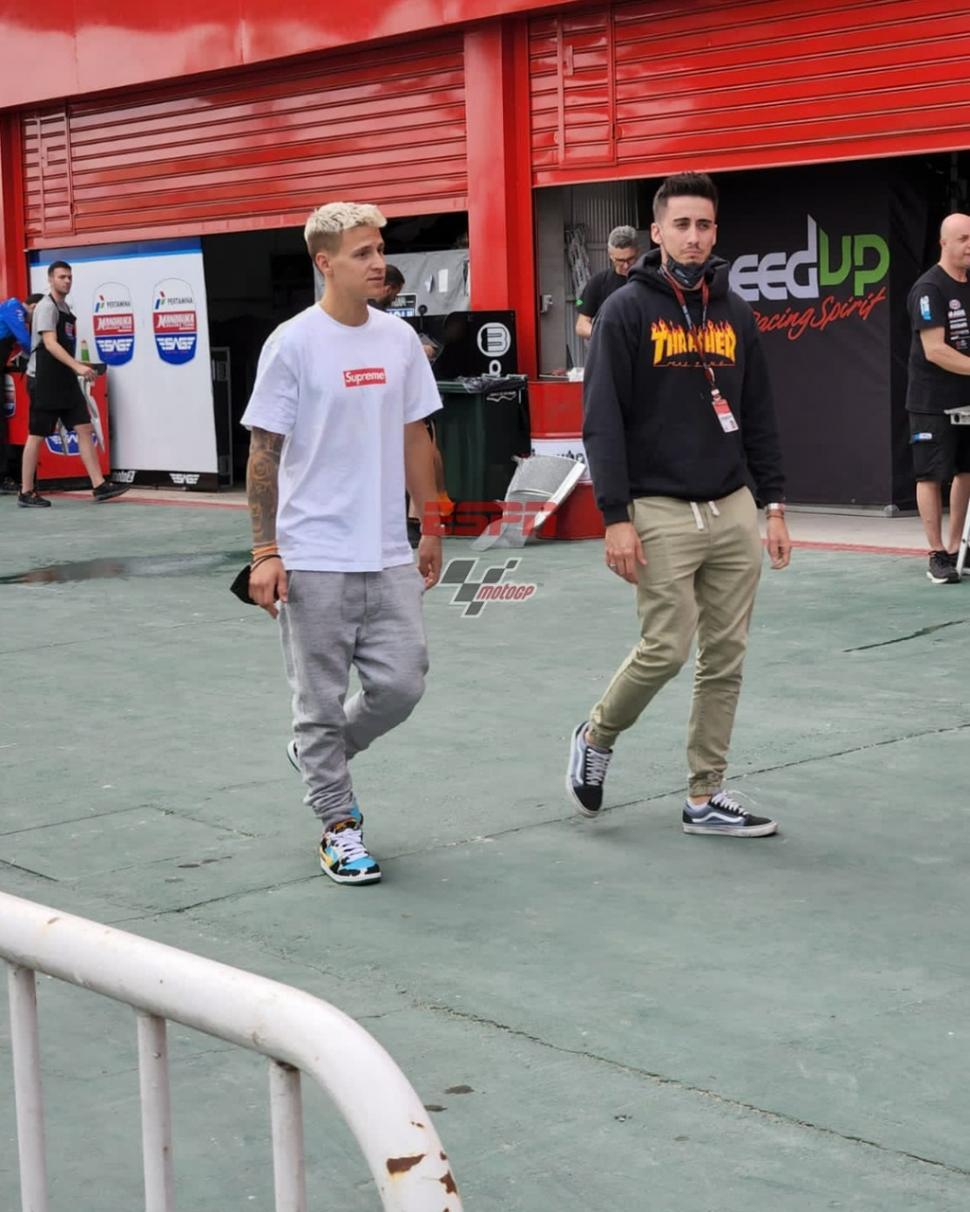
(64, 49)
(260, 149)
(641, 89)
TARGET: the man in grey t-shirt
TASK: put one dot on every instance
(56, 397)
(47, 310)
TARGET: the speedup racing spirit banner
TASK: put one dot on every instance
(141, 309)
(810, 251)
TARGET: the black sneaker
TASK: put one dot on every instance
(9, 488)
(32, 500)
(942, 568)
(586, 773)
(722, 814)
(107, 490)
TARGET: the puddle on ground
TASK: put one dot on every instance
(117, 567)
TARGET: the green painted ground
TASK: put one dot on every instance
(647, 1021)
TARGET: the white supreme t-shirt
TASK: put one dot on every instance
(341, 396)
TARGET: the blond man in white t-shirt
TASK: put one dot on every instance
(338, 436)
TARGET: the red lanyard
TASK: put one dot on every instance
(695, 331)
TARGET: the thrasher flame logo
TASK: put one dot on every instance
(672, 343)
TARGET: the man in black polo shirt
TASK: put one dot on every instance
(939, 378)
(622, 250)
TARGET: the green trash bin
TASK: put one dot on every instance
(482, 426)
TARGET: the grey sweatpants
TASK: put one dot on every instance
(332, 621)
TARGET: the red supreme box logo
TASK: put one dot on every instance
(368, 376)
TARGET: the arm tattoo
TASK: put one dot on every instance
(262, 486)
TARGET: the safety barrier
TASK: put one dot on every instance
(297, 1032)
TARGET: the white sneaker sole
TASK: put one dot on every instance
(734, 830)
(350, 879)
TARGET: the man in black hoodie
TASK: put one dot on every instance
(680, 432)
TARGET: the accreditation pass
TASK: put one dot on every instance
(723, 411)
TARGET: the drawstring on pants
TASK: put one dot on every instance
(698, 517)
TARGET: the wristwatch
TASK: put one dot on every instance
(774, 509)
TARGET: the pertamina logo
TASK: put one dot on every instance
(860, 263)
(368, 376)
(114, 324)
(175, 321)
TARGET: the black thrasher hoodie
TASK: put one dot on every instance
(649, 426)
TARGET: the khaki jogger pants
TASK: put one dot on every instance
(703, 565)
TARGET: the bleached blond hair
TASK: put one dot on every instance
(326, 226)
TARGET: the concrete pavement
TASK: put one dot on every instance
(609, 1014)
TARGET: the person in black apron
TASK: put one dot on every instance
(56, 395)
(14, 334)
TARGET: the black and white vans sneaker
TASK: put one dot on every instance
(723, 814)
(586, 773)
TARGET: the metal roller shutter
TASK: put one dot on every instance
(643, 88)
(259, 151)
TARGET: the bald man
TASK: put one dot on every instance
(939, 378)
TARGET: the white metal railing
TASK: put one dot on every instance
(297, 1032)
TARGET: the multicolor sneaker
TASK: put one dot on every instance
(343, 855)
(722, 814)
(586, 772)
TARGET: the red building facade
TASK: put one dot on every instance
(226, 116)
